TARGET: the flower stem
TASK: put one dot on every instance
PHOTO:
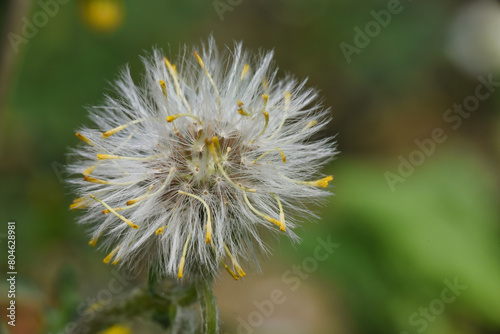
(208, 306)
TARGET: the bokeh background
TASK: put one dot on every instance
(399, 244)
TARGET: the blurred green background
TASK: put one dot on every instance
(400, 247)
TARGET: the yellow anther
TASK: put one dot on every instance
(129, 206)
(111, 132)
(85, 139)
(131, 203)
(108, 258)
(208, 238)
(311, 124)
(93, 241)
(134, 201)
(266, 116)
(245, 71)
(216, 142)
(282, 154)
(79, 203)
(77, 206)
(200, 61)
(239, 270)
(99, 181)
(163, 86)
(265, 97)
(160, 230)
(106, 211)
(242, 111)
(172, 118)
(202, 65)
(209, 143)
(115, 262)
(117, 157)
(94, 180)
(282, 213)
(266, 217)
(169, 65)
(237, 267)
(231, 272)
(323, 183)
(95, 238)
(264, 83)
(173, 72)
(138, 199)
(89, 170)
(110, 255)
(134, 226)
(183, 259)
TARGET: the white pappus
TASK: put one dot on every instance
(184, 172)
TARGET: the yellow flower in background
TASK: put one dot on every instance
(117, 329)
(104, 16)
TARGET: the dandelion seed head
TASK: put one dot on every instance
(185, 172)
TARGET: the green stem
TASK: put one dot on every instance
(208, 306)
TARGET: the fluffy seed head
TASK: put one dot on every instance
(185, 172)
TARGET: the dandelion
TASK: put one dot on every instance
(186, 172)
